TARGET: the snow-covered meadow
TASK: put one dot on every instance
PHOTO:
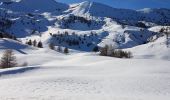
(82, 74)
(85, 76)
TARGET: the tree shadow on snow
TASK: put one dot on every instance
(17, 71)
(7, 44)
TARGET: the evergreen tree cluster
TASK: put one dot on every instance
(35, 43)
(5, 22)
(59, 48)
(33, 20)
(72, 19)
(74, 40)
(7, 35)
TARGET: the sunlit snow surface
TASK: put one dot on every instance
(84, 75)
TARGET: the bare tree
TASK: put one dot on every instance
(104, 51)
(8, 59)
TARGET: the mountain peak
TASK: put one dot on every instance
(93, 8)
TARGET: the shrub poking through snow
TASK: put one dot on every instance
(8, 59)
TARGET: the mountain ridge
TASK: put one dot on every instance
(124, 28)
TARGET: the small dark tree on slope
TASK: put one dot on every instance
(34, 43)
(66, 51)
(40, 45)
(96, 49)
(29, 42)
(8, 59)
(59, 49)
(51, 46)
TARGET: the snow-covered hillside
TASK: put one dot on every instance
(158, 16)
(86, 76)
(27, 19)
(46, 74)
(81, 26)
(39, 6)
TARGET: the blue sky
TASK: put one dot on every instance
(130, 4)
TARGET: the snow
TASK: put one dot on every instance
(157, 49)
(146, 10)
(87, 76)
(81, 74)
(31, 6)
(53, 75)
(15, 45)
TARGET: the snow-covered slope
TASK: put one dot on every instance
(86, 77)
(86, 24)
(35, 6)
(80, 75)
(157, 49)
(158, 16)
(15, 45)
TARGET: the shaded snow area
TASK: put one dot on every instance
(86, 76)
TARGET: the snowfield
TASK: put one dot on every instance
(86, 76)
(83, 74)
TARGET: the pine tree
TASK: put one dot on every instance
(34, 43)
(51, 46)
(96, 49)
(40, 45)
(59, 49)
(29, 42)
(66, 51)
(8, 59)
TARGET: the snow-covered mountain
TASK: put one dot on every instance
(158, 16)
(49, 74)
(80, 26)
(31, 6)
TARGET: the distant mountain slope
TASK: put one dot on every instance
(35, 6)
(15, 45)
(158, 16)
(80, 26)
